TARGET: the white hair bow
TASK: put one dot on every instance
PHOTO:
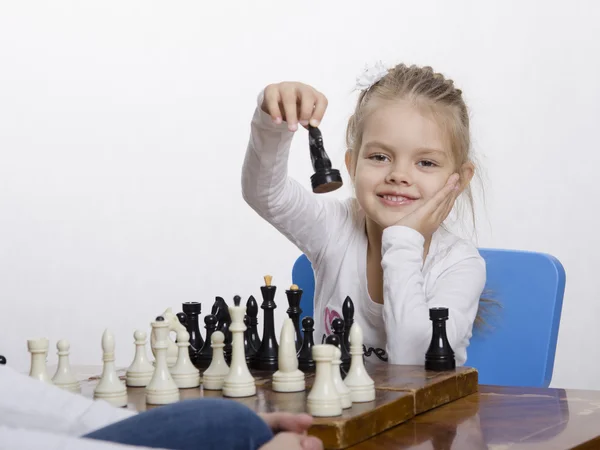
(370, 76)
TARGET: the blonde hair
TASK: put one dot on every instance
(436, 95)
(429, 91)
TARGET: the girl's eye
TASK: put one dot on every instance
(379, 157)
(426, 163)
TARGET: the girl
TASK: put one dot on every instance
(408, 155)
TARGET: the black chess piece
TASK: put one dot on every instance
(218, 308)
(326, 178)
(252, 314)
(193, 311)
(439, 356)
(160, 319)
(338, 330)
(182, 317)
(268, 353)
(333, 339)
(237, 300)
(348, 315)
(223, 325)
(305, 361)
(2, 360)
(249, 349)
(204, 356)
(294, 295)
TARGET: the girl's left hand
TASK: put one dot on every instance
(427, 218)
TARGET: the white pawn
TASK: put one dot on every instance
(162, 389)
(324, 399)
(183, 372)
(39, 351)
(341, 388)
(110, 388)
(361, 385)
(213, 377)
(238, 382)
(288, 378)
(64, 377)
(141, 370)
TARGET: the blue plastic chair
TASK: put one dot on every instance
(517, 345)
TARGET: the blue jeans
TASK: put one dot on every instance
(199, 424)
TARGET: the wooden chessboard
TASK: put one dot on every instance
(401, 393)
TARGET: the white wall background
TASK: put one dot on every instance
(123, 126)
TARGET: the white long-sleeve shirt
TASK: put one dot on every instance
(39, 416)
(331, 233)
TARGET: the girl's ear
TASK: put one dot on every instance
(350, 166)
(466, 174)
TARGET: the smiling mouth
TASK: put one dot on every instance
(395, 200)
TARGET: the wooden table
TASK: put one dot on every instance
(495, 418)
(501, 418)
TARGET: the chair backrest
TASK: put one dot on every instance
(517, 345)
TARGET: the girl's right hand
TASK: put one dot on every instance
(294, 103)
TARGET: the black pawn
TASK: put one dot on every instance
(237, 300)
(294, 295)
(2, 360)
(204, 356)
(338, 330)
(334, 339)
(348, 314)
(193, 310)
(305, 361)
(252, 314)
(439, 356)
(325, 178)
(268, 352)
(249, 349)
(160, 319)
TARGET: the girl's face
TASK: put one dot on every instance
(403, 161)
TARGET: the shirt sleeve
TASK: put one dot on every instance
(22, 439)
(29, 403)
(458, 287)
(303, 217)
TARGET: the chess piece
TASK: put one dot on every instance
(205, 355)
(2, 360)
(325, 179)
(39, 351)
(249, 349)
(338, 330)
(294, 295)
(221, 311)
(334, 340)
(252, 314)
(266, 356)
(141, 370)
(361, 385)
(238, 382)
(161, 389)
(288, 378)
(339, 384)
(173, 325)
(184, 374)
(348, 315)
(214, 376)
(323, 399)
(193, 311)
(110, 387)
(439, 356)
(305, 361)
(182, 317)
(64, 376)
